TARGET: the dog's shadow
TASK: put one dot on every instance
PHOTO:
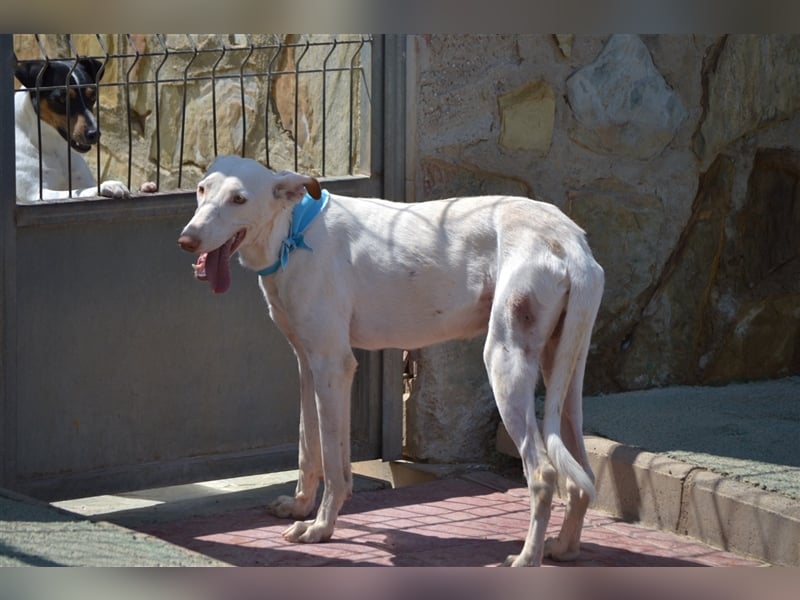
(253, 538)
(383, 546)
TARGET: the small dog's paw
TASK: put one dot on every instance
(148, 187)
(114, 189)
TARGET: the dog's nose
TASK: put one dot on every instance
(92, 135)
(189, 243)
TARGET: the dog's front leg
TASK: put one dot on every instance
(333, 376)
(309, 473)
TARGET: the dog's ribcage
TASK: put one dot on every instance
(411, 275)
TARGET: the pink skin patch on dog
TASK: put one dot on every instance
(214, 266)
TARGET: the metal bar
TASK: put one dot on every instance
(39, 121)
(391, 141)
(325, 102)
(269, 98)
(241, 89)
(97, 105)
(214, 96)
(165, 55)
(8, 270)
(128, 72)
(350, 160)
(183, 109)
(250, 75)
(82, 211)
(69, 111)
(297, 104)
(177, 52)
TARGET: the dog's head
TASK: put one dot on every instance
(63, 93)
(238, 203)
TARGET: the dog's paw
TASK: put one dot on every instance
(514, 560)
(509, 561)
(148, 187)
(519, 560)
(114, 189)
(289, 507)
(560, 551)
(307, 532)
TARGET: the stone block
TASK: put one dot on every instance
(527, 115)
(749, 82)
(622, 104)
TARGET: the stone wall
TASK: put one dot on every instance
(679, 155)
(203, 79)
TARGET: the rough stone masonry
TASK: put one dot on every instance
(679, 156)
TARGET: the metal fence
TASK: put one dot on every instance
(167, 104)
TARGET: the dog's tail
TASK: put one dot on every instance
(586, 290)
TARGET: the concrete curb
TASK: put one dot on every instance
(671, 495)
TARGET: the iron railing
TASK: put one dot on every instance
(317, 71)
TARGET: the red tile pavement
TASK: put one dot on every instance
(474, 521)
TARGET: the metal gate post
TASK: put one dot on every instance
(394, 188)
(8, 267)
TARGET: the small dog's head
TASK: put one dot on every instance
(63, 93)
(238, 202)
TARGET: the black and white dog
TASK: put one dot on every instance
(54, 119)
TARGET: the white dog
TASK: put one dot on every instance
(389, 275)
(55, 123)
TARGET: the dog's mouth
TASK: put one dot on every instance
(214, 266)
(73, 143)
(82, 148)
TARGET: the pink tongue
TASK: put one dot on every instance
(217, 269)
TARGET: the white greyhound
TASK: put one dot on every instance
(382, 274)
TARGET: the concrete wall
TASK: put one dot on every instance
(679, 155)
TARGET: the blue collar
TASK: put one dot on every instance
(303, 214)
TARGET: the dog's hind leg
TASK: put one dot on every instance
(333, 377)
(573, 340)
(309, 473)
(518, 326)
(566, 546)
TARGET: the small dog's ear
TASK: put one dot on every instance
(93, 67)
(28, 71)
(293, 186)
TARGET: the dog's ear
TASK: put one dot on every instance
(28, 71)
(93, 67)
(293, 186)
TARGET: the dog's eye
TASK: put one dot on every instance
(237, 199)
(201, 190)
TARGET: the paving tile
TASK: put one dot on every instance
(451, 522)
